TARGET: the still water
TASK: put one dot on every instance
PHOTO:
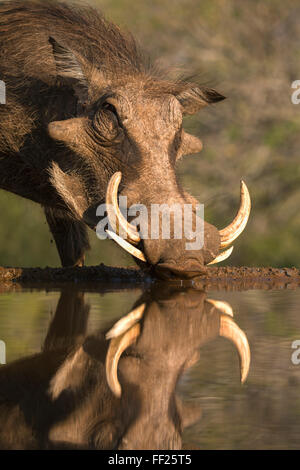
(170, 376)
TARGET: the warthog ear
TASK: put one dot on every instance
(193, 98)
(69, 69)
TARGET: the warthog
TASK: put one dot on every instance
(87, 118)
(84, 391)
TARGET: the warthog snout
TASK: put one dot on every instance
(166, 246)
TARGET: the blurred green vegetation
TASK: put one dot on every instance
(249, 51)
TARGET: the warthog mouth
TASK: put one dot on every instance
(132, 238)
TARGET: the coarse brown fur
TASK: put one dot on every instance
(83, 103)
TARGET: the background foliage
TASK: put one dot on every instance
(249, 51)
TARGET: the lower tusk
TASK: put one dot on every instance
(225, 307)
(116, 347)
(222, 256)
(126, 322)
(127, 247)
(230, 330)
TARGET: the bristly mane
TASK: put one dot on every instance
(81, 28)
(27, 62)
(29, 69)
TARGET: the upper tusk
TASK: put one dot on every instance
(225, 307)
(116, 347)
(126, 322)
(232, 231)
(115, 216)
(124, 244)
(224, 255)
(230, 330)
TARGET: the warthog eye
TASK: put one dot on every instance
(106, 123)
(110, 107)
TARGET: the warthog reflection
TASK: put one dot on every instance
(84, 391)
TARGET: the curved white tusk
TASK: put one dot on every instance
(127, 247)
(115, 216)
(126, 322)
(230, 330)
(225, 307)
(232, 231)
(116, 347)
(222, 256)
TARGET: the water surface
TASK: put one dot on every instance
(180, 379)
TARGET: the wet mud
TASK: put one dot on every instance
(229, 278)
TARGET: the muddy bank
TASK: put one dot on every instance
(230, 278)
(83, 274)
(243, 278)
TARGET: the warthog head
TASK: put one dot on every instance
(125, 139)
